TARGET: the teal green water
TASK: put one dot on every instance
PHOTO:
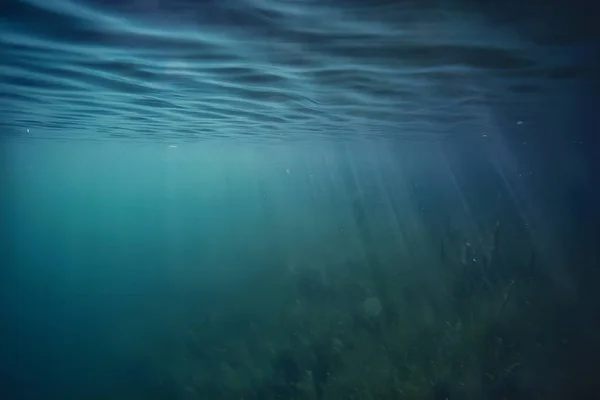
(308, 271)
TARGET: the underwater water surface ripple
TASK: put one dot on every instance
(191, 70)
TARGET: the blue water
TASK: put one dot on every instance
(298, 199)
(183, 71)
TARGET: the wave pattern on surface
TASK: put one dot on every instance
(190, 70)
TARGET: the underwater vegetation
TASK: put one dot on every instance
(353, 323)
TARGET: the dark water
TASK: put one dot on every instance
(299, 199)
(192, 70)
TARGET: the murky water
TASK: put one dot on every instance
(384, 200)
(189, 70)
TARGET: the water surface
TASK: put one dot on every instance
(188, 70)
